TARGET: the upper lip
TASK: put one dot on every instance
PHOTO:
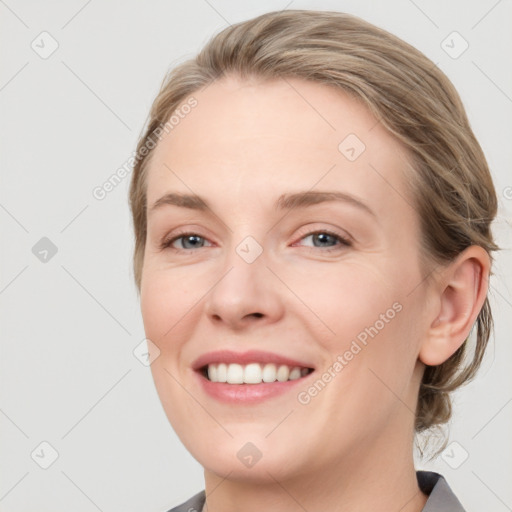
(243, 358)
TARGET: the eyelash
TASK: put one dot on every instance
(343, 242)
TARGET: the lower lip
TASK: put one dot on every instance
(247, 393)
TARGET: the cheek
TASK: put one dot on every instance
(370, 320)
(165, 299)
(166, 304)
(347, 298)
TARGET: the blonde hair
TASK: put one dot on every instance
(451, 184)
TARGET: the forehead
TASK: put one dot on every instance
(286, 133)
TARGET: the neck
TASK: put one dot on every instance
(377, 476)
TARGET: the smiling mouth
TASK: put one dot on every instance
(252, 373)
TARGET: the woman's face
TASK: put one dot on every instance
(270, 265)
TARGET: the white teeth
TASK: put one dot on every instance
(235, 374)
(269, 373)
(283, 372)
(222, 372)
(212, 372)
(254, 373)
(295, 373)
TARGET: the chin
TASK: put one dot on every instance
(263, 471)
(259, 460)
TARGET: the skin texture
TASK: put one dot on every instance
(350, 448)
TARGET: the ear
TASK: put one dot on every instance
(460, 294)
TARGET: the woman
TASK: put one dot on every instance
(312, 218)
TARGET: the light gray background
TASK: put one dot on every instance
(69, 325)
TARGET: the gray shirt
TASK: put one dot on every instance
(440, 496)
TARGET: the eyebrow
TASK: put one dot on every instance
(284, 202)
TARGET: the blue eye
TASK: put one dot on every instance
(321, 237)
(187, 238)
(191, 241)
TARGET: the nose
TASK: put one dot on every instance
(245, 294)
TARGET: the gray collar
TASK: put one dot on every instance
(440, 496)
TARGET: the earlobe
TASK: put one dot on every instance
(461, 293)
